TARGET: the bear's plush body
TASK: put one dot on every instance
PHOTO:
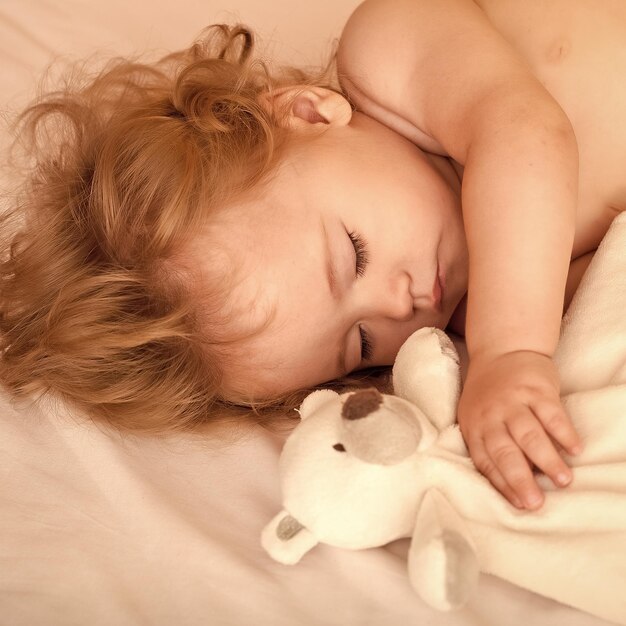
(363, 469)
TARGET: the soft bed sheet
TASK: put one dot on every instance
(102, 528)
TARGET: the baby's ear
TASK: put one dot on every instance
(304, 106)
(314, 400)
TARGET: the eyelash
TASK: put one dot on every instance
(362, 257)
(366, 345)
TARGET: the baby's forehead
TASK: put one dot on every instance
(235, 294)
(289, 344)
(266, 256)
(264, 346)
(259, 342)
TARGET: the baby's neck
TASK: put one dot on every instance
(449, 169)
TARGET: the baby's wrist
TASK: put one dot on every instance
(477, 357)
(497, 346)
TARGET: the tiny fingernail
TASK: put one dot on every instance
(533, 499)
(517, 502)
(563, 478)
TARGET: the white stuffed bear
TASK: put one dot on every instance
(363, 469)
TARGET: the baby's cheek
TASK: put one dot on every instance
(390, 341)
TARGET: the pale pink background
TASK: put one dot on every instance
(34, 31)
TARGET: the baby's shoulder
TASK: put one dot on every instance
(423, 67)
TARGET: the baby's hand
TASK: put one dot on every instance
(509, 405)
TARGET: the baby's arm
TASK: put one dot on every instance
(442, 67)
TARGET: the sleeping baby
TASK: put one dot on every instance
(208, 234)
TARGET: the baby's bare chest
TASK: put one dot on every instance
(577, 49)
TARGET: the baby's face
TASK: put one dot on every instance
(346, 245)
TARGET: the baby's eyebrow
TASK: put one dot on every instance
(333, 286)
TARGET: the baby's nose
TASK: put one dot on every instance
(396, 301)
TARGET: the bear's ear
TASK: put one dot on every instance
(315, 400)
(286, 540)
(426, 372)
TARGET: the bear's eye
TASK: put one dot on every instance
(339, 446)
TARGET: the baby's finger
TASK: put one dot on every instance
(485, 466)
(514, 468)
(529, 434)
(558, 423)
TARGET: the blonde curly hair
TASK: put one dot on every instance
(125, 165)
